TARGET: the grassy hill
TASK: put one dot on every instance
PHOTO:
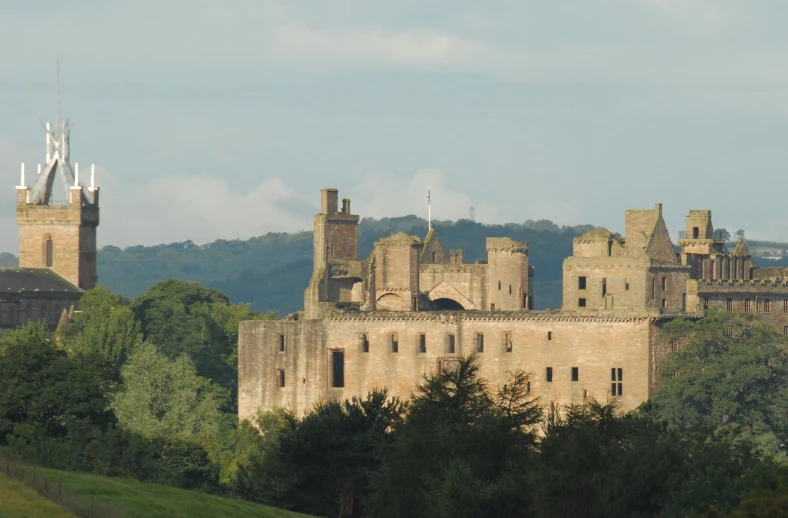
(94, 495)
(19, 501)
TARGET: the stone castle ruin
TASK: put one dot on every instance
(411, 307)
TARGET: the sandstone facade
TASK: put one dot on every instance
(411, 309)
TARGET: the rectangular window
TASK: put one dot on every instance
(705, 303)
(581, 303)
(747, 305)
(50, 252)
(695, 232)
(617, 377)
(729, 304)
(507, 342)
(653, 289)
(684, 302)
(581, 283)
(549, 335)
(337, 369)
(785, 330)
(626, 284)
(422, 343)
(364, 339)
(499, 285)
(281, 343)
(575, 374)
(664, 303)
(394, 343)
(757, 306)
(604, 287)
(280, 375)
(492, 307)
(479, 342)
(510, 289)
(674, 345)
(767, 306)
(527, 387)
(450, 345)
(785, 306)
(664, 284)
(548, 376)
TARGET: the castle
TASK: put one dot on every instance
(57, 239)
(411, 308)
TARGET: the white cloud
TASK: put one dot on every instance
(375, 45)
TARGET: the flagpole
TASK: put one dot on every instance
(429, 211)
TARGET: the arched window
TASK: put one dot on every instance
(50, 250)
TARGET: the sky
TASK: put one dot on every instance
(217, 119)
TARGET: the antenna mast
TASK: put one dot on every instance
(57, 97)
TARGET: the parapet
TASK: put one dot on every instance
(506, 244)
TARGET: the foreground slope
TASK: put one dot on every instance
(19, 501)
(130, 498)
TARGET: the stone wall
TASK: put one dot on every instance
(593, 345)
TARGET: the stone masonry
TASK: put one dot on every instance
(411, 309)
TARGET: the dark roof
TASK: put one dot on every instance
(43, 280)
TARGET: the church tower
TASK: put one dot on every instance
(59, 232)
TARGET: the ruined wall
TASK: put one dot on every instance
(593, 345)
(465, 284)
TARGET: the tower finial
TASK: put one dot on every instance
(57, 96)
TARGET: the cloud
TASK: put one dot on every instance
(376, 45)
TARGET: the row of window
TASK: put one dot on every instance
(450, 342)
(338, 375)
(761, 306)
(582, 283)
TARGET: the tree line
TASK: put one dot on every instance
(147, 388)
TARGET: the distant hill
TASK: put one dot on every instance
(272, 271)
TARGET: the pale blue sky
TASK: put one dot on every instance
(216, 119)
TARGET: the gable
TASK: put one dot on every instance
(659, 245)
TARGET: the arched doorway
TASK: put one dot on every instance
(448, 305)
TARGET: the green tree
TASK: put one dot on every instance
(461, 450)
(166, 398)
(733, 372)
(105, 326)
(322, 463)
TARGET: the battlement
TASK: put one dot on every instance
(505, 244)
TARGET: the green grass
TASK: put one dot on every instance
(19, 501)
(130, 498)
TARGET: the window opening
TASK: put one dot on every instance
(604, 287)
(364, 342)
(575, 374)
(527, 387)
(705, 303)
(549, 335)
(434, 257)
(549, 375)
(281, 343)
(581, 283)
(337, 369)
(492, 307)
(747, 305)
(479, 342)
(767, 306)
(510, 289)
(451, 344)
(617, 377)
(653, 289)
(626, 284)
(664, 303)
(581, 303)
(281, 378)
(695, 232)
(394, 343)
(507, 342)
(664, 284)
(422, 343)
(729, 304)
(684, 302)
(674, 345)
(609, 248)
(499, 285)
(50, 252)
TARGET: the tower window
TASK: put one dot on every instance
(581, 283)
(479, 342)
(575, 374)
(705, 303)
(337, 369)
(280, 374)
(450, 346)
(581, 303)
(604, 287)
(510, 289)
(422, 343)
(695, 232)
(617, 377)
(548, 375)
(499, 285)
(653, 289)
(434, 257)
(50, 253)
(664, 303)
(507, 342)
(664, 284)
(549, 335)
(281, 343)
(394, 343)
(626, 284)
(364, 339)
